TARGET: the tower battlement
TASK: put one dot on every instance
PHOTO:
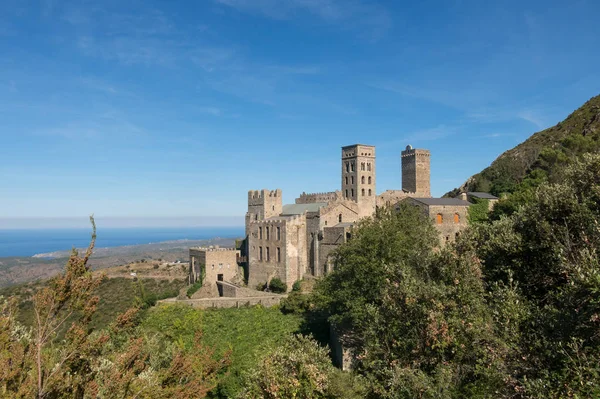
(416, 171)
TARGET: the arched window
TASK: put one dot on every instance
(369, 179)
(369, 192)
(340, 218)
(456, 218)
(369, 166)
(347, 166)
(352, 166)
(439, 219)
(363, 192)
(362, 180)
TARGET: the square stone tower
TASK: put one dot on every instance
(358, 177)
(263, 204)
(416, 171)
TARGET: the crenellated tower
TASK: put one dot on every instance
(358, 177)
(263, 204)
(416, 171)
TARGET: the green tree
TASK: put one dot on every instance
(545, 256)
(300, 369)
(415, 317)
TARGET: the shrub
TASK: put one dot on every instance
(261, 286)
(277, 286)
(193, 288)
(297, 286)
(296, 302)
(156, 267)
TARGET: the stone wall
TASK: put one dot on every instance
(296, 251)
(215, 262)
(311, 198)
(206, 303)
(449, 220)
(416, 172)
(330, 215)
(390, 198)
(291, 260)
(333, 237)
(263, 204)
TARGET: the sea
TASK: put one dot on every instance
(30, 242)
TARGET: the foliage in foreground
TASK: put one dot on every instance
(299, 368)
(116, 362)
(512, 310)
(415, 318)
(248, 333)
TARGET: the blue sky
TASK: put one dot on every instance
(178, 108)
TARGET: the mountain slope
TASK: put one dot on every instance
(543, 155)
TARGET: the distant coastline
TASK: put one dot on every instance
(57, 243)
(152, 246)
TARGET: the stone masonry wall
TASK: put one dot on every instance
(453, 220)
(391, 197)
(261, 270)
(216, 261)
(330, 215)
(292, 260)
(333, 237)
(319, 197)
(416, 171)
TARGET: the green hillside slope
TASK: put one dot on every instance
(542, 156)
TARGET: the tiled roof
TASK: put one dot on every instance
(482, 195)
(442, 201)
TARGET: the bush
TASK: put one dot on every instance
(156, 267)
(261, 286)
(193, 288)
(296, 302)
(277, 286)
(297, 286)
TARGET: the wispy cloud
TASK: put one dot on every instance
(427, 134)
(371, 19)
(497, 135)
(532, 117)
(211, 111)
(104, 87)
(103, 127)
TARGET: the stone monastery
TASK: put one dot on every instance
(295, 240)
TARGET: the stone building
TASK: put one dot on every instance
(292, 241)
(449, 215)
(213, 264)
(295, 240)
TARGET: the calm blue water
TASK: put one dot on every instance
(32, 242)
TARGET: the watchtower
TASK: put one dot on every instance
(263, 204)
(358, 177)
(416, 171)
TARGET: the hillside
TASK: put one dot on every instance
(20, 270)
(543, 155)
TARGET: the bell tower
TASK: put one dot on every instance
(358, 177)
(416, 175)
